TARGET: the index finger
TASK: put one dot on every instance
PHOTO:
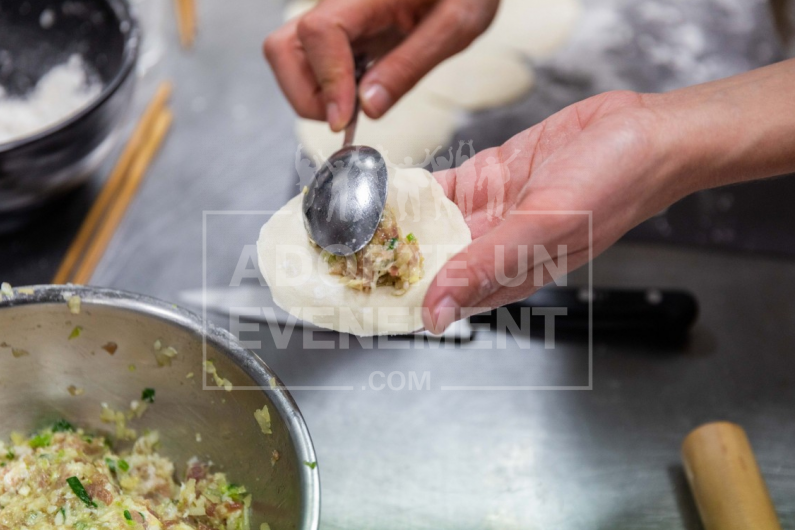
(327, 34)
(288, 60)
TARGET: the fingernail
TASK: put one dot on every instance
(376, 99)
(444, 314)
(333, 116)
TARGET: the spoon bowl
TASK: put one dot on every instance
(345, 201)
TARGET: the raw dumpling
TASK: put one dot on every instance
(301, 285)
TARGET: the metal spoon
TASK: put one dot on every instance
(345, 200)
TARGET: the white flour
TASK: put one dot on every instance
(60, 93)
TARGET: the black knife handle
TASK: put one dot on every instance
(653, 311)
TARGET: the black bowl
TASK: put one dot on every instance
(39, 167)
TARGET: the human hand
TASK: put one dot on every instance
(604, 155)
(622, 157)
(313, 56)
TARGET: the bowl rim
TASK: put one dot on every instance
(222, 340)
(123, 10)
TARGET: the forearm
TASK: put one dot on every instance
(733, 130)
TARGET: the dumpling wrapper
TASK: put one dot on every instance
(536, 28)
(297, 8)
(300, 282)
(475, 80)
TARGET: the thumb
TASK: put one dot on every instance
(506, 264)
(447, 29)
(472, 276)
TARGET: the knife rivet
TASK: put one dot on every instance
(584, 295)
(653, 296)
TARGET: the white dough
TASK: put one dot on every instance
(302, 286)
(404, 136)
(536, 28)
(296, 8)
(475, 81)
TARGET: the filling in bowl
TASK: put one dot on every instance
(63, 477)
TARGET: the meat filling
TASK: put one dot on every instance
(389, 260)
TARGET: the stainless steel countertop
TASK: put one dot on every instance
(601, 459)
(606, 458)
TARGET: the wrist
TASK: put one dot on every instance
(665, 172)
(697, 137)
(733, 130)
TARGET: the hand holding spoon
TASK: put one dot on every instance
(347, 196)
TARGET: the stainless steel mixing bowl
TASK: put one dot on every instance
(34, 390)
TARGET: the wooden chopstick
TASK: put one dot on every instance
(186, 21)
(117, 210)
(110, 189)
(192, 24)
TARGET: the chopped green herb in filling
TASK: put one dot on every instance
(76, 331)
(40, 440)
(62, 426)
(148, 395)
(80, 491)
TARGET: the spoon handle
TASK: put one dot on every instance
(360, 67)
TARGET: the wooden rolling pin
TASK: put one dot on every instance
(725, 479)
